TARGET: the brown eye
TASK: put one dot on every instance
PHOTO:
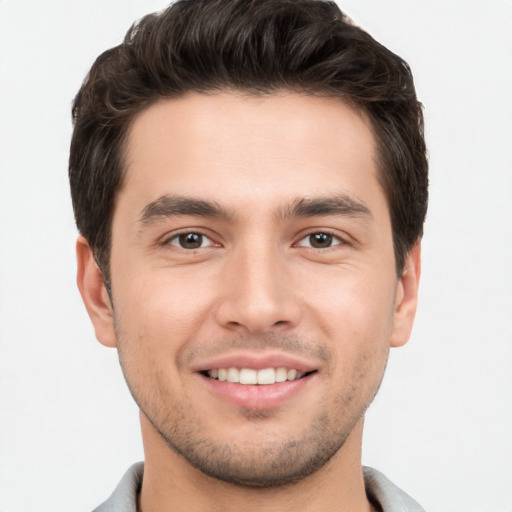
(189, 241)
(320, 240)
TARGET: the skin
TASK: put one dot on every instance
(254, 288)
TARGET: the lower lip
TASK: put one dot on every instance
(257, 397)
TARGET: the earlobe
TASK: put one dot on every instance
(94, 294)
(406, 299)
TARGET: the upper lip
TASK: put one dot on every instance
(256, 361)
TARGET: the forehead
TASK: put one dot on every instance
(249, 147)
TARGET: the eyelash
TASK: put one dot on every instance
(335, 240)
(177, 237)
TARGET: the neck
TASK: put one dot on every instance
(171, 483)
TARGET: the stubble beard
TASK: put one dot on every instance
(259, 462)
(262, 463)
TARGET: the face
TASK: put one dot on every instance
(253, 280)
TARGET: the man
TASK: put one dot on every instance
(250, 183)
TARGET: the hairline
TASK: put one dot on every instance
(245, 92)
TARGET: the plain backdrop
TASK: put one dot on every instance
(441, 427)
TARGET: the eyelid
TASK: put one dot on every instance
(341, 240)
(169, 238)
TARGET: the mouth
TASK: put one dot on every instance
(252, 376)
(258, 380)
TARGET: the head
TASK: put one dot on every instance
(250, 179)
(258, 48)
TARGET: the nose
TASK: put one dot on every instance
(258, 295)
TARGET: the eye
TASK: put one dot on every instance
(190, 241)
(320, 240)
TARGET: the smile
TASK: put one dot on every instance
(251, 376)
(252, 379)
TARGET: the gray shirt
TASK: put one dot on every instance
(383, 493)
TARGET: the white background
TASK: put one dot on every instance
(442, 425)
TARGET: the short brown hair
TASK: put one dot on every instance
(259, 47)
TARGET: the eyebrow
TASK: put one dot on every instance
(341, 204)
(171, 206)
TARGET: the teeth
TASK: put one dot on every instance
(233, 375)
(291, 374)
(248, 376)
(281, 374)
(251, 376)
(267, 376)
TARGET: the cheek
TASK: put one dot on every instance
(354, 314)
(163, 313)
(352, 305)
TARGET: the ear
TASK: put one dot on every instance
(94, 294)
(406, 298)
